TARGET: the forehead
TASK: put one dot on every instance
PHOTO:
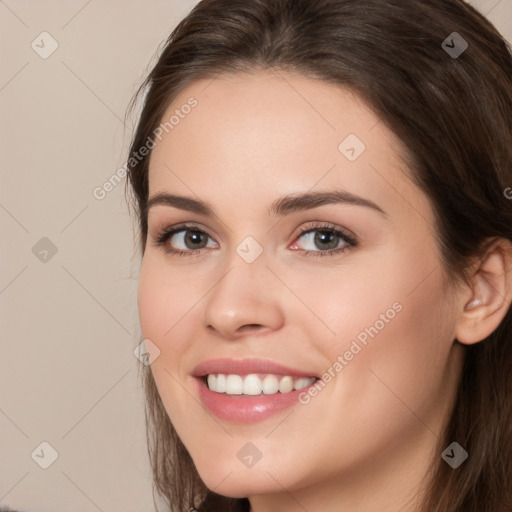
(267, 113)
(273, 132)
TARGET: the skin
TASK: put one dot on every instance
(365, 441)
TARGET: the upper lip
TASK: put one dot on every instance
(245, 367)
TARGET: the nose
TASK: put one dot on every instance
(246, 300)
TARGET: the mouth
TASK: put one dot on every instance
(250, 390)
(255, 384)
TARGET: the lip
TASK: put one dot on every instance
(245, 367)
(246, 408)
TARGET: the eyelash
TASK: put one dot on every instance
(164, 235)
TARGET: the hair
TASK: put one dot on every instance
(454, 119)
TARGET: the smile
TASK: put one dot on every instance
(256, 384)
(249, 390)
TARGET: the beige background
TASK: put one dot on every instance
(69, 325)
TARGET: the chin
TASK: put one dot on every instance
(235, 481)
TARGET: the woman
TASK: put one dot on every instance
(323, 195)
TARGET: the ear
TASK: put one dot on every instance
(486, 302)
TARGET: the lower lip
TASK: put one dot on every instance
(246, 408)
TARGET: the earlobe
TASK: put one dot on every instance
(490, 295)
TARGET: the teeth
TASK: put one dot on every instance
(221, 383)
(270, 385)
(302, 382)
(252, 384)
(234, 385)
(286, 385)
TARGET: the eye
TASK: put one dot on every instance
(190, 240)
(328, 238)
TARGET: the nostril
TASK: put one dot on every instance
(250, 327)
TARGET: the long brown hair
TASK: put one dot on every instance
(453, 114)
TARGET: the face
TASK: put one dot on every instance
(330, 313)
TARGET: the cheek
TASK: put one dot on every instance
(392, 299)
(392, 319)
(404, 342)
(153, 304)
(165, 302)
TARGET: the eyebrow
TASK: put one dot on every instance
(281, 207)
